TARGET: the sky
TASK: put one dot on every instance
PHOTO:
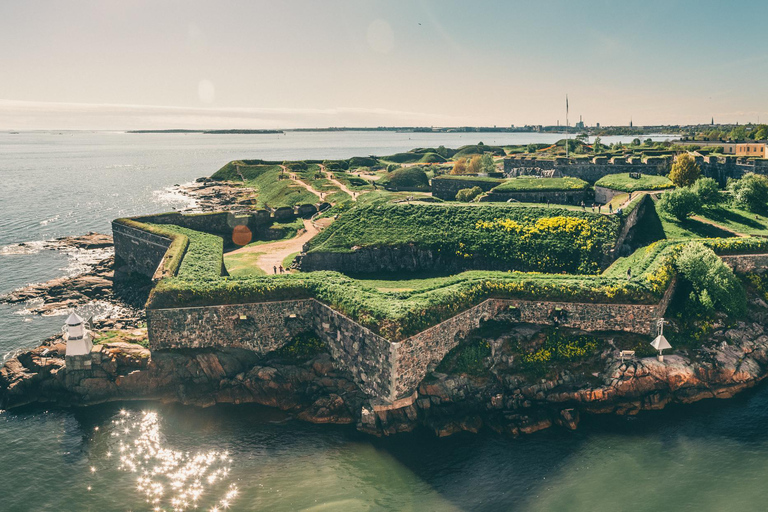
(161, 64)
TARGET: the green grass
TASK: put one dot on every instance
(737, 219)
(471, 232)
(243, 264)
(524, 184)
(403, 309)
(116, 336)
(265, 180)
(689, 228)
(288, 260)
(624, 183)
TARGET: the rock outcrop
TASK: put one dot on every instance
(318, 392)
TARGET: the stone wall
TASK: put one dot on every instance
(719, 169)
(744, 263)
(447, 188)
(267, 326)
(541, 196)
(383, 370)
(261, 327)
(604, 195)
(140, 250)
(420, 353)
(365, 354)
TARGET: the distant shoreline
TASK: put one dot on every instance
(210, 132)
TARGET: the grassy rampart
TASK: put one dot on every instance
(525, 184)
(532, 239)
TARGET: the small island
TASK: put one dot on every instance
(511, 288)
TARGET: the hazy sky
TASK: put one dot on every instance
(121, 64)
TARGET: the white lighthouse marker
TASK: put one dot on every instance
(660, 342)
(78, 339)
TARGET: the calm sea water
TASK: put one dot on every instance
(139, 456)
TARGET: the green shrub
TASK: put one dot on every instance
(466, 358)
(680, 203)
(516, 237)
(468, 194)
(560, 347)
(301, 348)
(408, 177)
(707, 191)
(714, 285)
(751, 191)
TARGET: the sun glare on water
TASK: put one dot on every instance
(171, 480)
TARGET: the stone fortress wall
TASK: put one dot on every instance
(387, 371)
(384, 370)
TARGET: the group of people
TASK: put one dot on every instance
(275, 269)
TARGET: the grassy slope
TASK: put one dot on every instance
(541, 184)
(269, 189)
(624, 183)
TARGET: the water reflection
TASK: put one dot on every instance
(169, 479)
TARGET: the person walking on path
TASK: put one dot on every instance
(274, 269)
(281, 269)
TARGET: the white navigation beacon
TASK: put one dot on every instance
(660, 343)
(78, 338)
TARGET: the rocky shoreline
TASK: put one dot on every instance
(316, 391)
(502, 399)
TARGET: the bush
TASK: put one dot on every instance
(680, 203)
(751, 191)
(466, 358)
(714, 285)
(468, 194)
(302, 347)
(560, 347)
(685, 171)
(707, 191)
(408, 177)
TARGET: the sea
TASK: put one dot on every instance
(147, 456)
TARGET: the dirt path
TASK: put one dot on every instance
(350, 193)
(274, 253)
(718, 226)
(305, 185)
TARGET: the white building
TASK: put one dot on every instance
(78, 339)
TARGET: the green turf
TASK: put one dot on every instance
(243, 264)
(524, 184)
(624, 183)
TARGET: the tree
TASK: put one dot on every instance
(761, 132)
(707, 191)
(681, 203)
(487, 164)
(751, 191)
(531, 148)
(714, 287)
(685, 171)
(582, 137)
(459, 166)
(468, 194)
(635, 142)
(738, 133)
(474, 166)
(597, 146)
(648, 142)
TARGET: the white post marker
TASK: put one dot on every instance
(78, 339)
(660, 342)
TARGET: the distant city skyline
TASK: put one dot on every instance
(265, 65)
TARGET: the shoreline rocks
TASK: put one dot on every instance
(318, 392)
